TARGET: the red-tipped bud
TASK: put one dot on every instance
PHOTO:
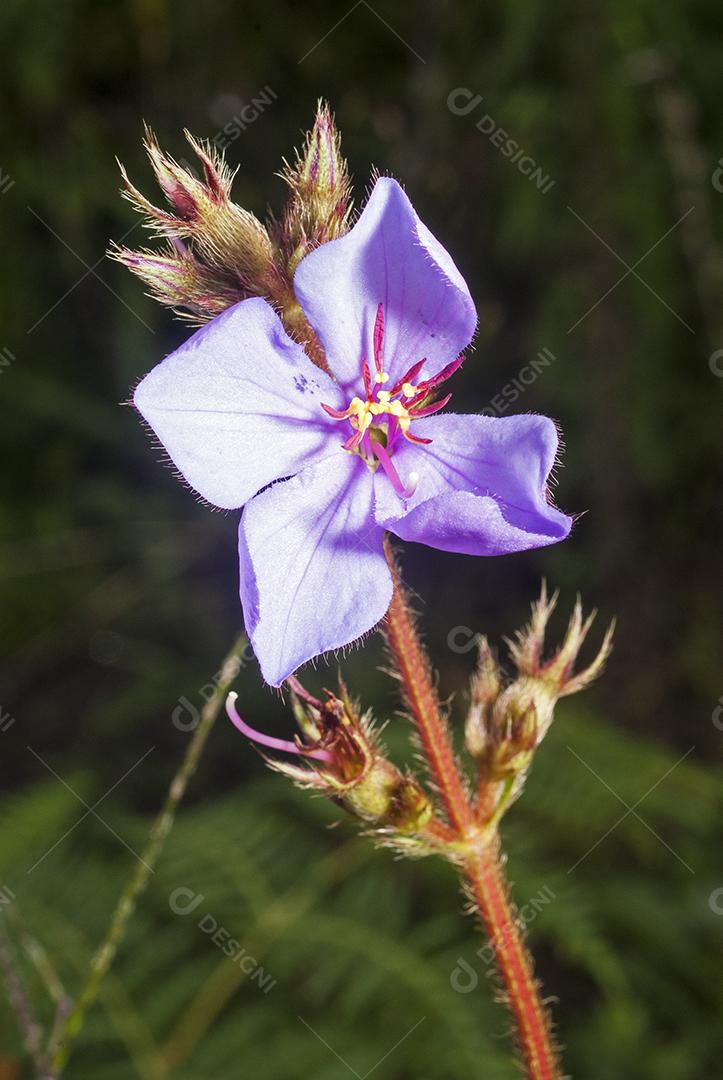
(218, 253)
(506, 723)
(484, 690)
(319, 201)
(556, 674)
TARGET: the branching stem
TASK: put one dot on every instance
(482, 866)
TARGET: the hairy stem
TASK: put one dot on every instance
(106, 952)
(488, 888)
(481, 867)
(421, 697)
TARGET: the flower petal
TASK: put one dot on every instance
(482, 487)
(388, 258)
(238, 405)
(313, 572)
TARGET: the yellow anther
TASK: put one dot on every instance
(381, 377)
(361, 413)
(360, 416)
(408, 389)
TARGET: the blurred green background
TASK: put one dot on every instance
(119, 591)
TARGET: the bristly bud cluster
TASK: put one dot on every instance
(214, 253)
(345, 761)
(507, 720)
(319, 203)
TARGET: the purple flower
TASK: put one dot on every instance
(323, 466)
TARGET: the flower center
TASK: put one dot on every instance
(383, 416)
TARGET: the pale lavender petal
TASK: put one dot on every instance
(239, 405)
(482, 487)
(313, 572)
(388, 258)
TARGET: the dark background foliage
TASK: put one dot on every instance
(119, 591)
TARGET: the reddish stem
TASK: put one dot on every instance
(411, 662)
(489, 889)
(482, 868)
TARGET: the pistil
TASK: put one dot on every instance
(388, 465)
(286, 745)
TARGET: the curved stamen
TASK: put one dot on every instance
(386, 463)
(425, 388)
(367, 376)
(379, 337)
(411, 437)
(429, 410)
(409, 377)
(353, 441)
(336, 414)
(446, 373)
(269, 740)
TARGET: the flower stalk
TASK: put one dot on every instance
(489, 893)
(482, 868)
(412, 666)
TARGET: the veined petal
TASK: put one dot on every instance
(238, 405)
(313, 572)
(482, 486)
(388, 258)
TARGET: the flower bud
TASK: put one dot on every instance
(217, 253)
(484, 690)
(385, 796)
(319, 202)
(513, 736)
(547, 680)
(506, 723)
(344, 760)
